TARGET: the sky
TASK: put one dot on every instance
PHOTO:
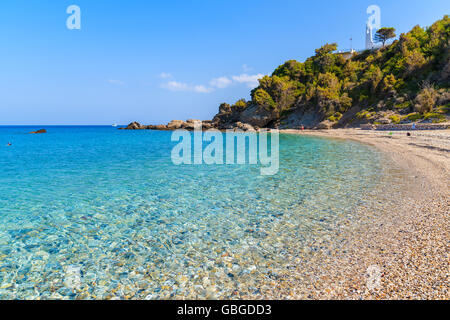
(154, 61)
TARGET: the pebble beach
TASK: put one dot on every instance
(407, 242)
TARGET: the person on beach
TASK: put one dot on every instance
(303, 128)
(414, 126)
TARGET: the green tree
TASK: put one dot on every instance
(262, 98)
(384, 34)
(240, 104)
(326, 49)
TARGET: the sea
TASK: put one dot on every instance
(93, 212)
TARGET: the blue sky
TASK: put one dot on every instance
(153, 61)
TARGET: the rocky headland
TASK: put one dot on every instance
(190, 125)
(402, 83)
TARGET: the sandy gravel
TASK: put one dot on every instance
(403, 251)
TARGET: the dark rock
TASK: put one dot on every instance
(242, 118)
(133, 126)
(226, 117)
(303, 115)
(207, 125)
(39, 131)
(257, 116)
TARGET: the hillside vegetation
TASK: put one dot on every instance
(405, 81)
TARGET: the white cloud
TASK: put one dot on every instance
(221, 82)
(165, 75)
(116, 82)
(250, 80)
(175, 86)
(217, 83)
(180, 86)
(202, 89)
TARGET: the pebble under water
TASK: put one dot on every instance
(101, 213)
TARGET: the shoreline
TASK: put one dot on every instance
(398, 226)
(427, 152)
(409, 241)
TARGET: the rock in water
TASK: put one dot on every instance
(39, 131)
(134, 126)
(160, 127)
(175, 124)
(172, 125)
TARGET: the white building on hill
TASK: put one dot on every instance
(369, 38)
(370, 44)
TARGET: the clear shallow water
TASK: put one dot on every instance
(96, 212)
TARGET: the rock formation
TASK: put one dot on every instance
(39, 131)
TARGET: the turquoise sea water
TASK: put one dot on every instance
(96, 212)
